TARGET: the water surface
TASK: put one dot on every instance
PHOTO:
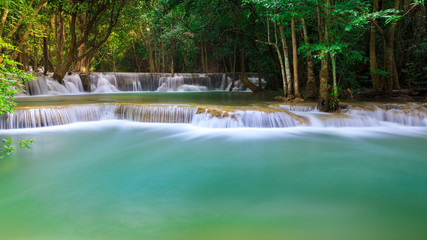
(123, 180)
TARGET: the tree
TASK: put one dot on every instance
(101, 18)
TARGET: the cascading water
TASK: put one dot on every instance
(305, 116)
(44, 85)
(137, 82)
(52, 116)
(368, 116)
(101, 83)
(118, 178)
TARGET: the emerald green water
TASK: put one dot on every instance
(216, 98)
(122, 180)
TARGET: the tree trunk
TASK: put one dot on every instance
(390, 64)
(163, 57)
(61, 70)
(95, 43)
(373, 54)
(48, 66)
(156, 63)
(202, 55)
(114, 59)
(311, 87)
(288, 93)
(172, 49)
(234, 64)
(135, 55)
(244, 78)
(59, 29)
(36, 57)
(225, 64)
(3, 18)
(324, 77)
(206, 58)
(282, 66)
(147, 37)
(295, 58)
(323, 104)
(81, 64)
(334, 75)
(150, 52)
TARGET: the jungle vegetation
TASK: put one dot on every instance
(306, 49)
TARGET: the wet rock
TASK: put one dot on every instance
(85, 77)
(297, 100)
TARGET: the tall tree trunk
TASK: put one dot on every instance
(172, 51)
(149, 49)
(311, 86)
(225, 64)
(373, 54)
(81, 64)
(392, 78)
(286, 60)
(156, 63)
(243, 77)
(135, 55)
(59, 29)
(258, 66)
(323, 104)
(163, 57)
(234, 64)
(206, 57)
(202, 55)
(334, 75)
(324, 77)
(45, 56)
(36, 57)
(114, 59)
(3, 17)
(48, 66)
(295, 58)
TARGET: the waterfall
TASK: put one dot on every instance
(137, 82)
(162, 114)
(52, 116)
(411, 115)
(73, 83)
(103, 83)
(370, 116)
(245, 119)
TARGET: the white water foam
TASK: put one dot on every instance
(50, 116)
(136, 82)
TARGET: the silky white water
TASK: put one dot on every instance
(137, 82)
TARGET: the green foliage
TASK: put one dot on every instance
(11, 79)
(11, 82)
(8, 147)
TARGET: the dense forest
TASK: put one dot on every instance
(307, 49)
